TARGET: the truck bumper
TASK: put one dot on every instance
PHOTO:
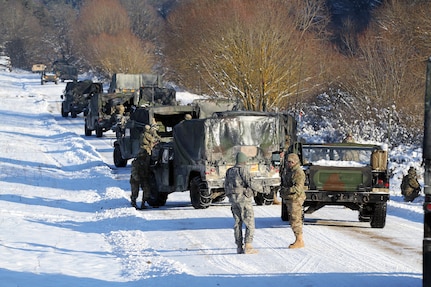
(329, 197)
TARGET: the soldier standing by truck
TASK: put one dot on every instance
(139, 178)
(293, 192)
(240, 194)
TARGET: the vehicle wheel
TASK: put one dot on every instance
(200, 196)
(219, 198)
(99, 131)
(63, 113)
(87, 130)
(363, 218)
(378, 219)
(284, 212)
(157, 199)
(73, 114)
(119, 161)
(264, 199)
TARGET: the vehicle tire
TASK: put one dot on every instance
(264, 199)
(219, 198)
(99, 131)
(199, 193)
(378, 219)
(63, 113)
(284, 212)
(119, 161)
(157, 199)
(73, 114)
(87, 130)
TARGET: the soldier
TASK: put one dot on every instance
(410, 187)
(139, 178)
(149, 139)
(240, 194)
(293, 192)
(348, 138)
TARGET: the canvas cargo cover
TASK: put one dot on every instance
(121, 82)
(208, 106)
(215, 139)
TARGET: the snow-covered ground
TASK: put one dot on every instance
(66, 219)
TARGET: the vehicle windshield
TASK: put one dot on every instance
(337, 155)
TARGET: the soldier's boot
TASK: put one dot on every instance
(249, 249)
(240, 249)
(276, 201)
(143, 206)
(299, 242)
(133, 202)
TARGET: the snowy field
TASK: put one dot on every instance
(66, 219)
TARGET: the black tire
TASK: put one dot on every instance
(199, 193)
(264, 199)
(284, 212)
(157, 199)
(219, 198)
(119, 161)
(87, 130)
(99, 131)
(63, 113)
(378, 219)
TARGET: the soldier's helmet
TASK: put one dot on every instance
(147, 127)
(412, 171)
(241, 158)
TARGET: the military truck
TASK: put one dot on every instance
(76, 95)
(102, 111)
(65, 71)
(48, 76)
(129, 131)
(202, 150)
(130, 91)
(345, 174)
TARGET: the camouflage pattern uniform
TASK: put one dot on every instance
(293, 192)
(237, 187)
(410, 187)
(139, 178)
(149, 139)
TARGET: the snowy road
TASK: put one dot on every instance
(80, 230)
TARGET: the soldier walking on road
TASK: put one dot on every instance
(293, 192)
(240, 194)
(139, 178)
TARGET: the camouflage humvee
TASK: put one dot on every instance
(347, 174)
(203, 149)
(76, 95)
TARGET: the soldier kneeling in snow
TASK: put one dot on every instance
(410, 187)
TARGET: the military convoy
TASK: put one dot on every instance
(345, 174)
(126, 93)
(129, 130)
(203, 149)
(76, 96)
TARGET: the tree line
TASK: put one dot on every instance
(267, 55)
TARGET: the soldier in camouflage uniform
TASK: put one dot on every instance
(292, 190)
(410, 187)
(139, 178)
(238, 190)
(149, 138)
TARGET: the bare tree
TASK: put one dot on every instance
(106, 39)
(265, 63)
